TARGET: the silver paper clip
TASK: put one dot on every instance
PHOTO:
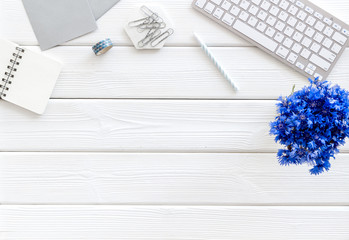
(144, 21)
(159, 39)
(153, 33)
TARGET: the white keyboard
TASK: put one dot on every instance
(298, 33)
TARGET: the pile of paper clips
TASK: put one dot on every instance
(154, 26)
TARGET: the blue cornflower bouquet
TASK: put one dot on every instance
(312, 123)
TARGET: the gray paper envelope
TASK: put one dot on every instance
(57, 21)
(100, 7)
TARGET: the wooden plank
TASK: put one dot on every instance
(178, 73)
(141, 126)
(182, 222)
(15, 26)
(167, 179)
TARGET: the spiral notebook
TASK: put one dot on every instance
(27, 77)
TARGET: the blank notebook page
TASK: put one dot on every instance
(33, 81)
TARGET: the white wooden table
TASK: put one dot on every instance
(156, 145)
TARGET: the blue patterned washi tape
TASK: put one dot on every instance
(102, 47)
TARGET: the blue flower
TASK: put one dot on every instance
(312, 123)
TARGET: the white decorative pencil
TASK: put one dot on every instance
(213, 59)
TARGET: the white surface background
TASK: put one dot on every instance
(156, 145)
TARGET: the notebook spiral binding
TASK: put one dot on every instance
(9, 74)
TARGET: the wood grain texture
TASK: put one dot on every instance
(178, 73)
(141, 126)
(15, 26)
(188, 222)
(167, 179)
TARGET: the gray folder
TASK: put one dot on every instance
(58, 21)
(100, 7)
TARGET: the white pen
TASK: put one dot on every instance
(214, 60)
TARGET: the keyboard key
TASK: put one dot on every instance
(226, 5)
(288, 43)
(309, 71)
(289, 31)
(292, 58)
(309, 10)
(337, 26)
(305, 53)
(297, 48)
(271, 20)
(318, 15)
(236, 1)
(282, 52)
(244, 16)
(297, 37)
(306, 42)
(311, 67)
(320, 62)
(235, 10)
(284, 4)
(255, 35)
(300, 4)
(257, 2)
(319, 26)
(310, 21)
(328, 31)
(218, 13)
(253, 10)
(200, 3)
(339, 38)
(274, 10)
(302, 15)
(244, 4)
(301, 27)
(327, 55)
(265, 5)
(336, 48)
(209, 7)
(279, 37)
(262, 15)
(300, 65)
(270, 32)
(283, 16)
(252, 21)
(218, 2)
(345, 32)
(327, 21)
(280, 26)
(327, 43)
(292, 21)
(261, 26)
(318, 37)
(293, 10)
(315, 47)
(228, 19)
(310, 32)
